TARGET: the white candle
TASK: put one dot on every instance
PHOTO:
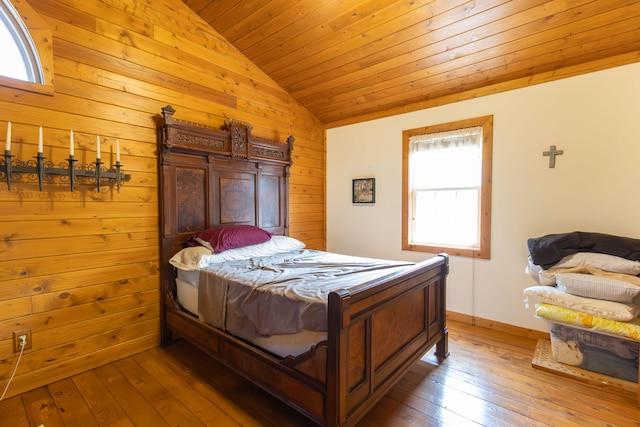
(98, 146)
(71, 143)
(8, 146)
(40, 140)
(117, 150)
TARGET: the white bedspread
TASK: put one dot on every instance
(283, 293)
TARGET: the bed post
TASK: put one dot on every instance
(335, 412)
(164, 145)
(442, 347)
(287, 175)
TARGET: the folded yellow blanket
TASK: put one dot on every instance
(630, 329)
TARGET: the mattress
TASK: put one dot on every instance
(187, 296)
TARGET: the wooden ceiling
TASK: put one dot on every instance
(350, 60)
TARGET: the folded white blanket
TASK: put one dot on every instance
(601, 308)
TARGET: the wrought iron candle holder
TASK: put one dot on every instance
(43, 171)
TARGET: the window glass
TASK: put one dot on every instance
(446, 175)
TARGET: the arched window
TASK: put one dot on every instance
(27, 51)
(21, 60)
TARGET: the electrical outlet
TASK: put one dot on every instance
(16, 340)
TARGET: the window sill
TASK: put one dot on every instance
(44, 89)
(452, 251)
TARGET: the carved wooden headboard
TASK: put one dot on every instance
(217, 177)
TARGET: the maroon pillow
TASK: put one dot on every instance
(236, 236)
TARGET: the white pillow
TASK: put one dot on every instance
(607, 309)
(196, 257)
(534, 270)
(189, 258)
(599, 287)
(548, 277)
(602, 261)
(273, 246)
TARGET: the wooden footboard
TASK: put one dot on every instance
(377, 331)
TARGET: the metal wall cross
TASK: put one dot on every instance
(552, 153)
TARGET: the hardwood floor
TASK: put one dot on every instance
(488, 380)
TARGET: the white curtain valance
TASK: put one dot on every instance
(445, 140)
(451, 159)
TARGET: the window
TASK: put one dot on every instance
(447, 188)
(20, 57)
(27, 61)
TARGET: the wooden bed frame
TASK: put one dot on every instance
(216, 177)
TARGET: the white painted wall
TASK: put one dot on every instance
(594, 186)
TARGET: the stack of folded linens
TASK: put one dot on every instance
(588, 290)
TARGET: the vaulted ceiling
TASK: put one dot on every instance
(348, 60)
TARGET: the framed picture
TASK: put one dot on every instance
(364, 190)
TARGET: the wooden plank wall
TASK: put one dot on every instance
(81, 269)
